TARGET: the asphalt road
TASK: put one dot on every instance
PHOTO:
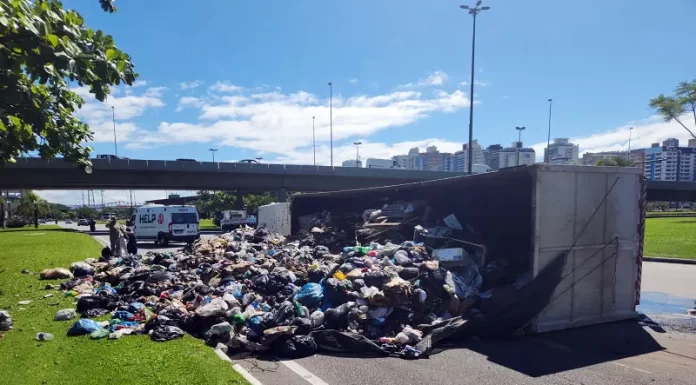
(619, 353)
(102, 236)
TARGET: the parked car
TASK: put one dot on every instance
(82, 222)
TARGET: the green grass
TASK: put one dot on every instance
(79, 360)
(662, 214)
(207, 224)
(670, 237)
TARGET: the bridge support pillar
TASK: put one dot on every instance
(283, 194)
(239, 201)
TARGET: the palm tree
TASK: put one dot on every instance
(670, 108)
(31, 205)
(686, 92)
(616, 161)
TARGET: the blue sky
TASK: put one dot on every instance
(398, 69)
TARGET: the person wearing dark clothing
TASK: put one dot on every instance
(92, 225)
(132, 242)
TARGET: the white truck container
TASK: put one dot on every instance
(528, 216)
(275, 217)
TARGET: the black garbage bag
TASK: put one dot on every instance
(166, 333)
(409, 273)
(304, 325)
(358, 284)
(337, 318)
(91, 302)
(94, 313)
(297, 346)
(376, 278)
(334, 292)
(202, 289)
(284, 314)
(69, 284)
(344, 342)
(316, 275)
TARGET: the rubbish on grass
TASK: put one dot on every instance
(25, 302)
(255, 291)
(43, 336)
(84, 326)
(65, 315)
(5, 321)
(57, 273)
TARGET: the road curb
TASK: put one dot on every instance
(670, 260)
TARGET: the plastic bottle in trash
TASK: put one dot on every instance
(43, 336)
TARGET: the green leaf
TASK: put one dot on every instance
(110, 54)
(53, 39)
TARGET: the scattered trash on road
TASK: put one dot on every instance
(255, 291)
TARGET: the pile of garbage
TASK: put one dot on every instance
(254, 291)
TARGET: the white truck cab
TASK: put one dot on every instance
(231, 219)
(165, 224)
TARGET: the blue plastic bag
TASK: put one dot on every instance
(84, 326)
(124, 315)
(135, 307)
(310, 295)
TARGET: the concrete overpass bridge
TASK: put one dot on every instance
(130, 174)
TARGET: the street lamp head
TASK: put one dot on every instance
(330, 83)
(549, 100)
(520, 128)
(464, 6)
(479, 2)
(357, 143)
(485, 8)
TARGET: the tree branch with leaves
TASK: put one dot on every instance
(673, 107)
(43, 48)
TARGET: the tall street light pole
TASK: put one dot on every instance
(548, 139)
(212, 151)
(519, 142)
(357, 153)
(331, 118)
(113, 119)
(630, 132)
(473, 11)
(314, 141)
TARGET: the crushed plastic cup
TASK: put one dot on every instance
(43, 336)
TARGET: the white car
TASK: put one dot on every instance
(164, 224)
(82, 222)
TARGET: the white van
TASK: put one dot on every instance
(165, 224)
(382, 163)
(231, 219)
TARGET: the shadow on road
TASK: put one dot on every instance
(557, 352)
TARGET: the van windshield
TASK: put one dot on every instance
(184, 218)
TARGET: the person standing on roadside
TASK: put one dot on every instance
(114, 232)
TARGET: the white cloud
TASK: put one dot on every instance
(275, 122)
(224, 87)
(353, 81)
(645, 132)
(436, 78)
(476, 83)
(189, 101)
(190, 85)
(99, 114)
(140, 83)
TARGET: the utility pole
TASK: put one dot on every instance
(102, 199)
(519, 142)
(548, 139)
(473, 11)
(212, 151)
(113, 119)
(331, 118)
(314, 141)
(357, 153)
(630, 132)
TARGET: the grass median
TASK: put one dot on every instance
(79, 360)
(670, 237)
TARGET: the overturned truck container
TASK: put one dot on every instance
(586, 220)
